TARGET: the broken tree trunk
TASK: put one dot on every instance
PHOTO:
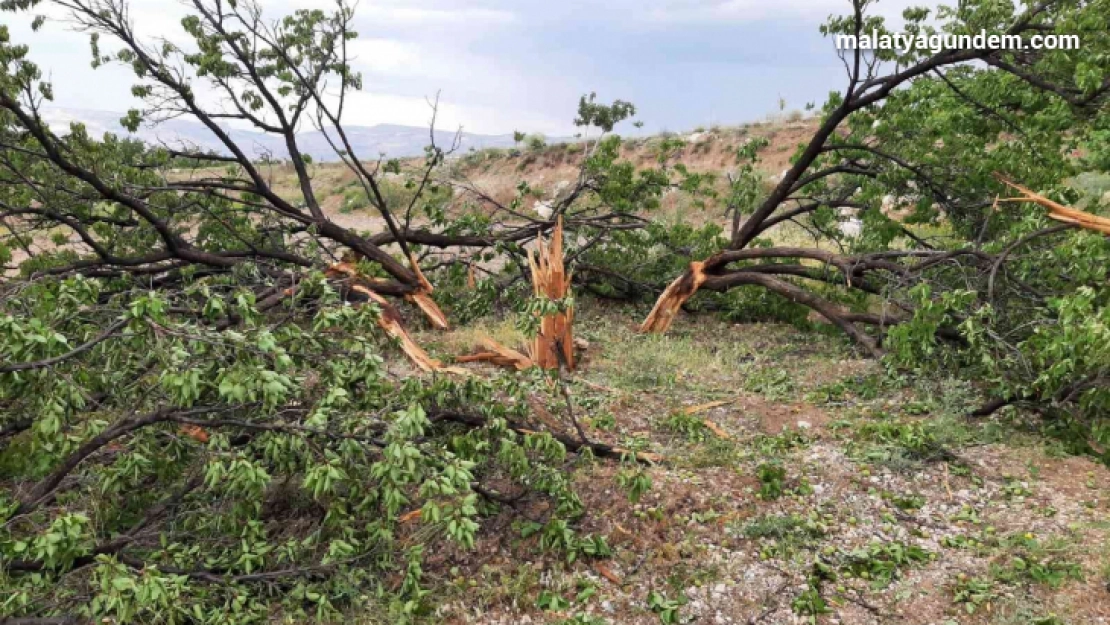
(672, 299)
(554, 344)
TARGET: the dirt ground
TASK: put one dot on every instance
(892, 506)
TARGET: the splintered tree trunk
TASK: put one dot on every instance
(672, 299)
(554, 345)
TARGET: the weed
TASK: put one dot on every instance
(968, 514)
(913, 501)
(972, 592)
(784, 534)
(688, 425)
(810, 604)
(771, 477)
(1039, 562)
(636, 481)
(864, 387)
(903, 445)
(776, 384)
(582, 618)
(552, 602)
(354, 198)
(667, 609)
(881, 562)
(782, 526)
(604, 421)
(787, 440)
(715, 452)
(962, 541)
(1015, 490)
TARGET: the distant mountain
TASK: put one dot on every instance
(369, 141)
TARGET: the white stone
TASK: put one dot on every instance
(852, 227)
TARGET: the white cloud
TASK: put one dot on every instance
(385, 56)
(754, 10)
(368, 108)
(425, 16)
(422, 13)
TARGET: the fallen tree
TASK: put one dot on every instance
(198, 421)
(863, 154)
(893, 222)
(130, 211)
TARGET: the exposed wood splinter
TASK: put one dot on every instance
(496, 353)
(607, 573)
(1058, 211)
(423, 299)
(390, 321)
(717, 430)
(195, 432)
(672, 299)
(554, 343)
(691, 410)
(550, 280)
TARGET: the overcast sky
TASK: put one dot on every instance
(504, 65)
